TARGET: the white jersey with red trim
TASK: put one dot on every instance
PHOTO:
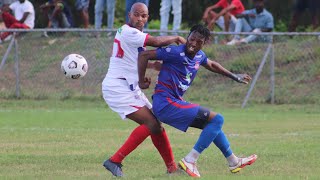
(123, 61)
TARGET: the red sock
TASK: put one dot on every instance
(162, 143)
(137, 136)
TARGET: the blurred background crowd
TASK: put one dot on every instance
(288, 15)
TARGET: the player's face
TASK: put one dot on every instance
(138, 17)
(195, 42)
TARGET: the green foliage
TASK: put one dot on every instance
(281, 26)
(154, 24)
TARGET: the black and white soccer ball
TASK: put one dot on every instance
(74, 66)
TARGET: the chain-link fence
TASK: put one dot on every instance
(284, 71)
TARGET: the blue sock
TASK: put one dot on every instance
(223, 144)
(209, 133)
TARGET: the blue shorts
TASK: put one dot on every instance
(177, 113)
(82, 4)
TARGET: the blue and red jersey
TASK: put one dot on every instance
(177, 73)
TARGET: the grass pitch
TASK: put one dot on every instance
(71, 139)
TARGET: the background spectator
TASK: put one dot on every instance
(129, 3)
(100, 5)
(256, 20)
(23, 18)
(6, 2)
(165, 14)
(59, 14)
(301, 6)
(226, 17)
(82, 7)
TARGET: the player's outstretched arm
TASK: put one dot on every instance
(158, 41)
(217, 68)
(143, 59)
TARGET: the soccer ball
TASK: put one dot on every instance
(74, 66)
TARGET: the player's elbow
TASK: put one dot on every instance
(143, 56)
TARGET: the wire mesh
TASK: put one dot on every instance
(296, 71)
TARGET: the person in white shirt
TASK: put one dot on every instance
(23, 18)
(122, 94)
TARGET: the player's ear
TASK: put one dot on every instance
(129, 15)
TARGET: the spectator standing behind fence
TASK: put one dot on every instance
(256, 20)
(301, 6)
(100, 5)
(23, 18)
(129, 3)
(225, 19)
(82, 7)
(165, 14)
(59, 14)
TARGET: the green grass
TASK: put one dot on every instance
(70, 139)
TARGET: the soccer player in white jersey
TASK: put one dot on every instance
(122, 94)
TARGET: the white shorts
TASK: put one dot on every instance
(232, 26)
(121, 99)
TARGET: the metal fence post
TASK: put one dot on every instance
(6, 54)
(16, 66)
(256, 76)
(272, 79)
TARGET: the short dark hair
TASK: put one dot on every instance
(204, 31)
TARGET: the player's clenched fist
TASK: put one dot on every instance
(181, 40)
(146, 83)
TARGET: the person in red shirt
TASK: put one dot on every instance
(226, 17)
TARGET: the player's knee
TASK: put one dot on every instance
(154, 127)
(218, 120)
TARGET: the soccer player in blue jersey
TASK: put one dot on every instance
(179, 68)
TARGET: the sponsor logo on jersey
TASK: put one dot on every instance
(182, 86)
(197, 65)
(188, 77)
(120, 30)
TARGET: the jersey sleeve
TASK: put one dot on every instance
(12, 6)
(28, 8)
(168, 54)
(162, 53)
(134, 38)
(204, 60)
